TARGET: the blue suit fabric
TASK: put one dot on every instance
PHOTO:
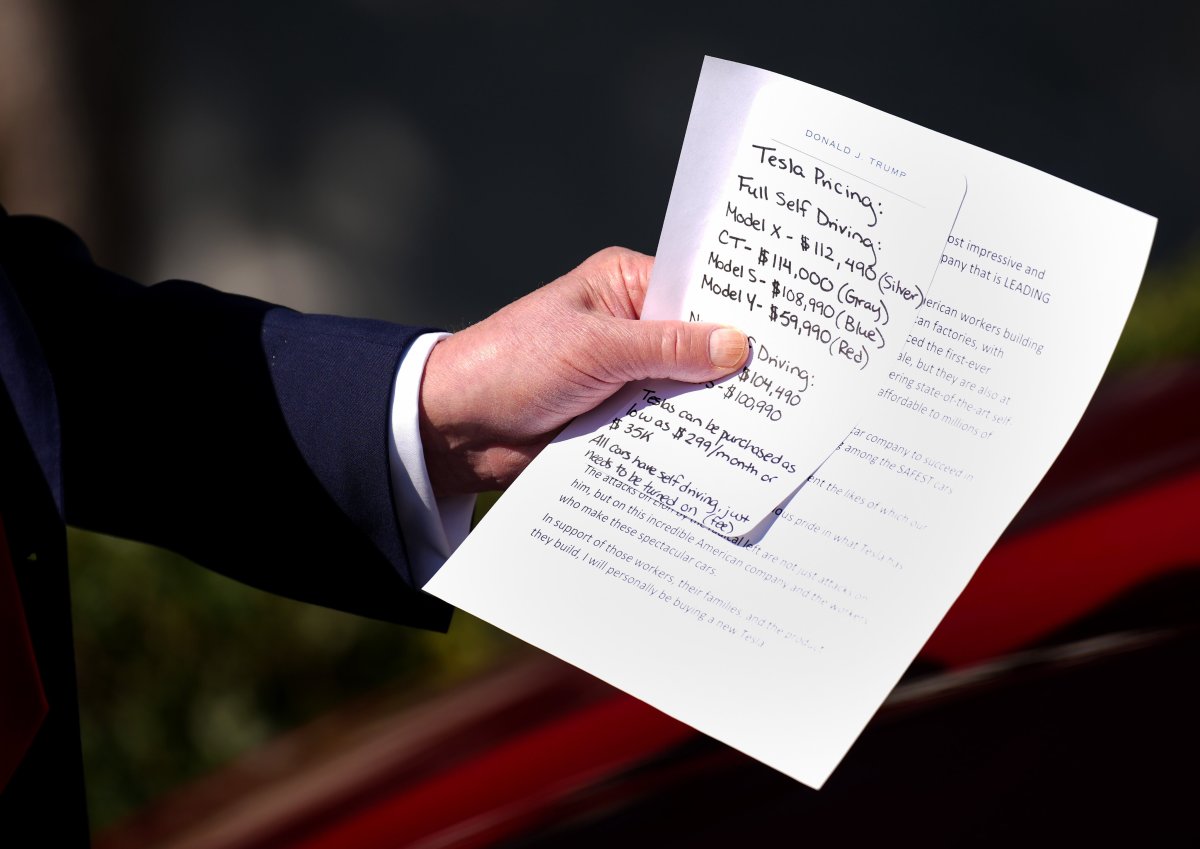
(248, 437)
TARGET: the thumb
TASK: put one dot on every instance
(679, 350)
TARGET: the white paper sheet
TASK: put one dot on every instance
(783, 639)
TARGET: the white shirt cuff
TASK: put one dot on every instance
(433, 527)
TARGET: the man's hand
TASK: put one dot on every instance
(496, 393)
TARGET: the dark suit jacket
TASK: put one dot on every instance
(248, 437)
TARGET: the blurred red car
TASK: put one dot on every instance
(1055, 703)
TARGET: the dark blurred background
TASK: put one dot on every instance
(428, 162)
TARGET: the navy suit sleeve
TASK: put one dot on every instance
(248, 437)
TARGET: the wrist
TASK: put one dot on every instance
(475, 431)
(441, 438)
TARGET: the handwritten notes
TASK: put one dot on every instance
(782, 636)
(818, 252)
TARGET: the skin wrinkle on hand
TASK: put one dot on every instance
(496, 393)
